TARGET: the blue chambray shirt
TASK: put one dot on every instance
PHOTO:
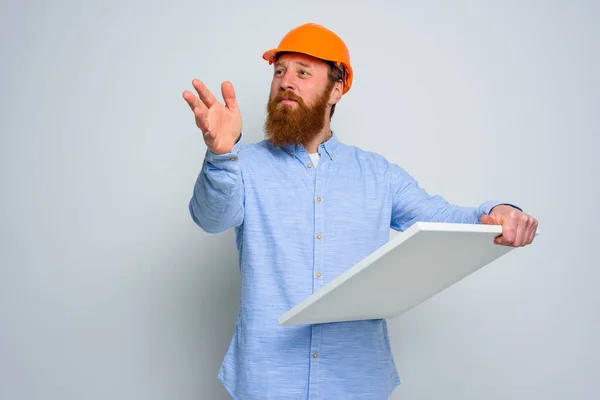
(298, 226)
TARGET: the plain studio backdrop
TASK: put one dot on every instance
(109, 290)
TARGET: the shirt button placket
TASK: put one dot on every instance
(318, 272)
(319, 240)
(315, 363)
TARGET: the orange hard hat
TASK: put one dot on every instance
(317, 41)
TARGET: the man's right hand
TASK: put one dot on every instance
(221, 125)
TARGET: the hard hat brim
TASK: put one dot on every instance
(269, 55)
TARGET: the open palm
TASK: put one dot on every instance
(220, 124)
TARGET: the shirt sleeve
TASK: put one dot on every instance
(217, 202)
(411, 204)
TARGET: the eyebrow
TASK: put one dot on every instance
(280, 64)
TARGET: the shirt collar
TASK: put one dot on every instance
(329, 147)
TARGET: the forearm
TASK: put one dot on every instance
(411, 203)
(217, 202)
(436, 209)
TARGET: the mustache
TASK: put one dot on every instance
(287, 95)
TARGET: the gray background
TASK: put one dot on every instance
(108, 289)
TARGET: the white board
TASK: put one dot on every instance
(412, 267)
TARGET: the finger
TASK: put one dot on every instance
(488, 220)
(532, 231)
(193, 101)
(524, 222)
(190, 99)
(522, 230)
(529, 237)
(525, 240)
(228, 95)
(509, 230)
(205, 95)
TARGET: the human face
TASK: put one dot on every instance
(302, 75)
(291, 119)
(300, 99)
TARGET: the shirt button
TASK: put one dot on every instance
(319, 199)
(309, 165)
(291, 152)
(319, 236)
(315, 355)
(233, 158)
(318, 274)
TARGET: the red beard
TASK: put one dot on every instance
(291, 125)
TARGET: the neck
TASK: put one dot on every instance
(322, 136)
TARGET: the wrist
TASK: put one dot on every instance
(234, 146)
(504, 206)
(226, 152)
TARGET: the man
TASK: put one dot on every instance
(306, 207)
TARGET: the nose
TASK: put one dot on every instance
(287, 82)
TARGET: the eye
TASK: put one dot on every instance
(303, 73)
(279, 71)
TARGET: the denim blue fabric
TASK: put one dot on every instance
(298, 226)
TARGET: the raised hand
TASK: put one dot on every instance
(221, 125)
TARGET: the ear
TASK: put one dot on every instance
(336, 92)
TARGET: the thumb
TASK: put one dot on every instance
(228, 95)
(489, 220)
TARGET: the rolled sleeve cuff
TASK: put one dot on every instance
(486, 207)
(224, 161)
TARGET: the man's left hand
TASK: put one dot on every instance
(518, 228)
